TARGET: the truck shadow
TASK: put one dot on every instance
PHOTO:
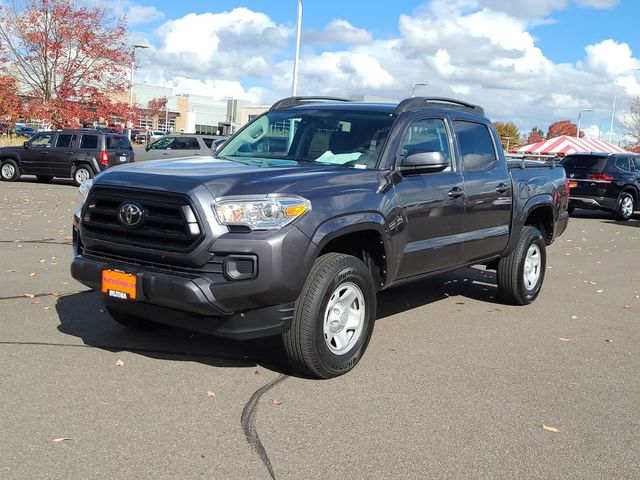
(83, 315)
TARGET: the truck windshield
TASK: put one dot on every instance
(340, 137)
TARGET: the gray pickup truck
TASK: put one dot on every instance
(306, 213)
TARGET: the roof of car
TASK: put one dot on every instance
(353, 106)
(90, 131)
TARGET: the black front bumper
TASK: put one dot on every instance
(185, 302)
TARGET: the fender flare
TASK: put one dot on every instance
(539, 201)
(15, 157)
(92, 162)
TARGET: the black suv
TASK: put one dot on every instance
(601, 181)
(76, 154)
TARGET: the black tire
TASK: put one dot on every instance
(80, 172)
(570, 210)
(9, 171)
(511, 269)
(44, 178)
(626, 207)
(305, 344)
(130, 321)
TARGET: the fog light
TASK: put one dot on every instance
(240, 267)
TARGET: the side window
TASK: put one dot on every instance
(64, 140)
(89, 142)
(636, 161)
(186, 143)
(623, 164)
(208, 142)
(476, 146)
(42, 141)
(117, 143)
(428, 135)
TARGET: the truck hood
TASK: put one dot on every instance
(225, 177)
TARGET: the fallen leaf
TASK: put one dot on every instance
(211, 394)
(574, 317)
(33, 274)
(599, 291)
(119, 363)
(68, 238)
(61, 439)
(29, 295)
(276, 402)
(55, 294)
(564, 339)
(47, 308)
(257, 372)
(550, 429)
(10, 270)
(626, 306)
(35, 302)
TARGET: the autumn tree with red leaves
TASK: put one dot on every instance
(10, 106)
(69, 59)
(536, 135)
(563, 127)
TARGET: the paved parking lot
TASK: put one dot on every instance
(454, 383)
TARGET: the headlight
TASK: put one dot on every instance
(84, 189)
(260, 213)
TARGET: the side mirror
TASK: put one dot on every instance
(147, 147)
(419, 161)
(26, 145)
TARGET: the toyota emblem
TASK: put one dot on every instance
(130, 214)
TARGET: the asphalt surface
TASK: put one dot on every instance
(454, 384)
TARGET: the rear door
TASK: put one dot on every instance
(487, 187)
(432, 204)
(187, 147)
(35, 159)
(61, 155)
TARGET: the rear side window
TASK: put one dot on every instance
(65, 140)
(636, 162)
(587, 163)
(623, 164)
(186, 143)
(208, 142)
(476, 146)
(118, 143)
(89, 142)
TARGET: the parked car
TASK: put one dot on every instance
(296, 237)
(24, 131)
(601, 181)
(76, 154)
(180, 145)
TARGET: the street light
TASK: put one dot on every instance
(294, 88)
(133, 56)
(579, 115)
(418, 84)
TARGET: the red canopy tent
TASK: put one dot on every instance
(565, 144)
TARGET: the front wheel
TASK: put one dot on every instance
(81, 173)
(626, 206)
(9, 171)
(521, 273)
(333, 318)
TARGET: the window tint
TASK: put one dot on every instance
(64, 140)
(623, 164)
(427, 135)
(186, 143)
(89, 142)
(476, 146)
(636, 161)
(208, 142)
(591, 163)
(42, 141)
(118, 143)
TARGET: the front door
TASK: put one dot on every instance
(432, 204)
(35, 159)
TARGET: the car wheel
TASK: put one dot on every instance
(626, 207)
(333, 318)
(44, 178)
(130, 321)
(521, 273)
(9, 171)
(81, 173)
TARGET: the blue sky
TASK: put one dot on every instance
(531, 61)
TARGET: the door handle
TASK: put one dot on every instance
(456, 192)
(502, 188)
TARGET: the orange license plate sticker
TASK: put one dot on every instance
(119, 284)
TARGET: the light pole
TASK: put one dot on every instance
(294, 88)
(418, 84)
(133, 57)
(613, 113)
(579, 115)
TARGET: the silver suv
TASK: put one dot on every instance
(179, 145)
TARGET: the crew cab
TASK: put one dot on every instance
(76, 154)
(306, 213)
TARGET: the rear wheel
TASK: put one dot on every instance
(626, 206)
(9, 171)
(81, 173)
(333, 318)
(521, 273)
(130, 321)
(44, 178)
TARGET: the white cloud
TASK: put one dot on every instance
(339, 32)
(139, 15)
(610, 57)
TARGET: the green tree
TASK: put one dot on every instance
(509, 134)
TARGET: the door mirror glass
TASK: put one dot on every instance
(420, 161)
